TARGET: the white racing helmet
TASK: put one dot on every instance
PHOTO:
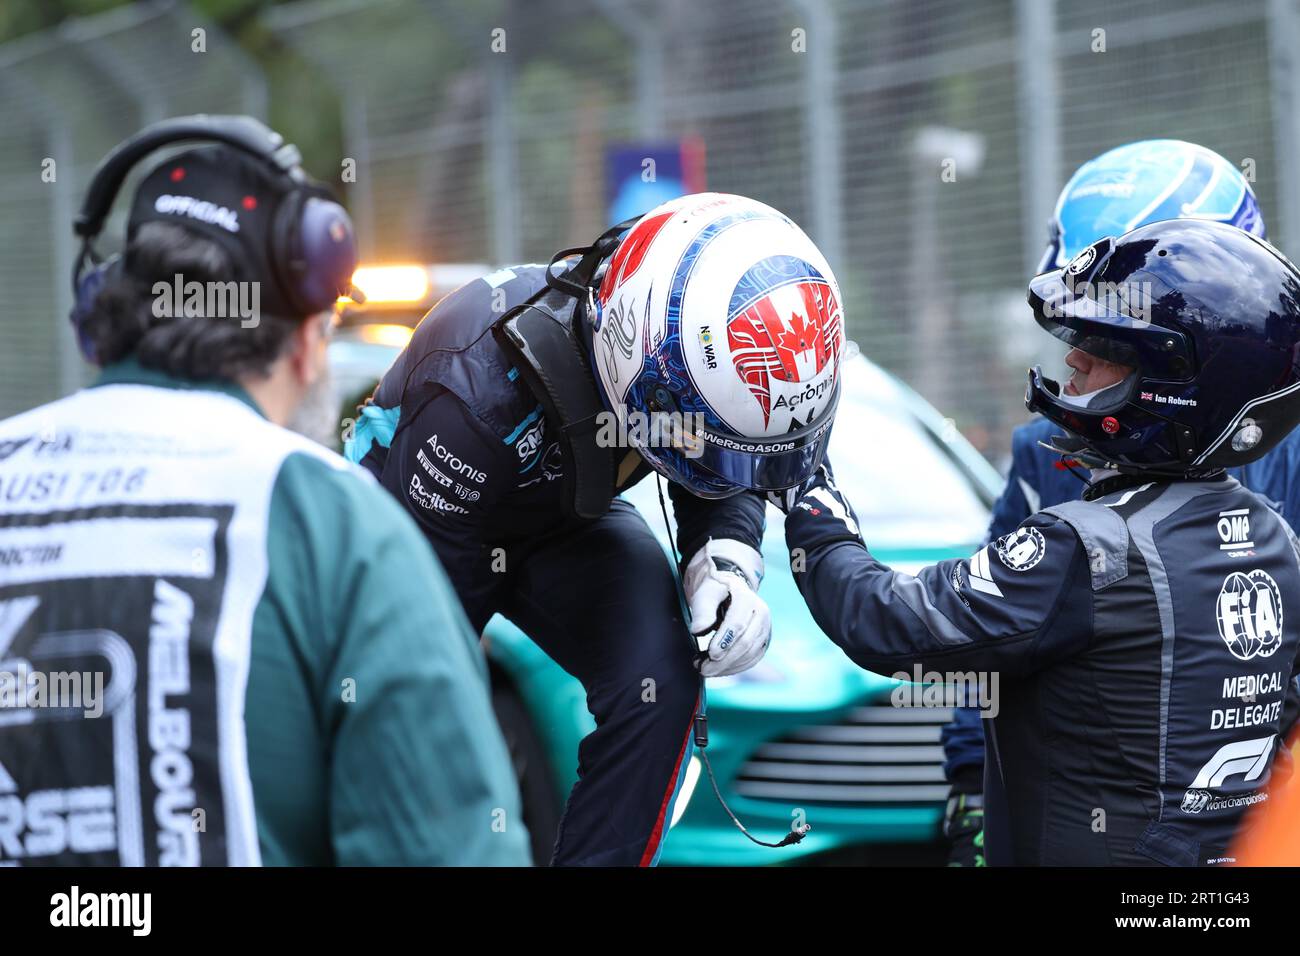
(720, 315)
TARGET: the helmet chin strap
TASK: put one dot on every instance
(1072, 456)
(1071, 446)
(1098, 397)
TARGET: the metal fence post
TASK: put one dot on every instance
(1040, 133)
(282, 21)
(825, 179)
(131, 77)
(58, 138)
(647, 38)
(255, 92)
(1283, 34)
(503, 177)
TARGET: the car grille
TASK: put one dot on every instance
(878, 754)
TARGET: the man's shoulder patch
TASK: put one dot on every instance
(980, 575)
(1022, 549)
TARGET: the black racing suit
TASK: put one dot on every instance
(1143, 666)
(456, 435)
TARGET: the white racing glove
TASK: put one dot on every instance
(721, 584)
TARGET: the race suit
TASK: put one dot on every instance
(1144, 667)
(1038, 480)
(456, 436)
(267, 694)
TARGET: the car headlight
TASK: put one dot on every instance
(688, 788)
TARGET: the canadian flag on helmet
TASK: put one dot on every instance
(791, 333)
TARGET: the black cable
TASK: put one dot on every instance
(701, 720)
(1069, 465)
(794, 836)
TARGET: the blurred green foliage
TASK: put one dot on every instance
(302, 107)
(19, 17)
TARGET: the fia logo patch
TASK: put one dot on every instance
(1082, 261)
(1249, 612)
(1021, 549)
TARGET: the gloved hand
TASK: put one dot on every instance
(817, 512)
(721, 583)
(963, 823)
(786, 499)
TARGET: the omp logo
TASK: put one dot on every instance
(1234, 530)
(1243, 757)
(1249, 612)
(531, 442)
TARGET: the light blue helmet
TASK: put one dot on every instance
(1147, 181)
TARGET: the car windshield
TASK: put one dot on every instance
(907, 489)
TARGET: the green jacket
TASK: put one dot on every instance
(295, 703)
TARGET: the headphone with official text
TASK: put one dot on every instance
(312, 245)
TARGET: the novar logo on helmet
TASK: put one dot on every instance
(708, 352)
(1249, 612)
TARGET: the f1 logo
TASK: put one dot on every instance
(1249, 757)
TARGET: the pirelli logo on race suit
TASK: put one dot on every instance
(129, 787)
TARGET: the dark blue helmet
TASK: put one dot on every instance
(1208, 316)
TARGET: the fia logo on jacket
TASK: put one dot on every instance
(1022, 549)
(1249, 612)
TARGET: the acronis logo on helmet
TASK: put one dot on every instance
(1148, 181)
(784, 322)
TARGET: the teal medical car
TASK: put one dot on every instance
(805, 736)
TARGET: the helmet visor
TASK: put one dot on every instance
(1111, 322)
(713, 465)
